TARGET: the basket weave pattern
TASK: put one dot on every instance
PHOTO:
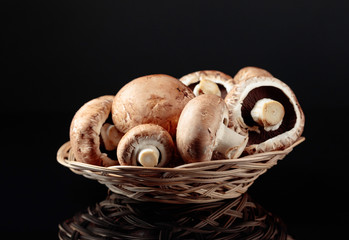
(189, 183)
(119, 217)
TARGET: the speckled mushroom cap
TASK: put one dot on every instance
(157, 99)
(224, 81)
(85, 131)
(243, 97)
(202, 132)
(248, 72)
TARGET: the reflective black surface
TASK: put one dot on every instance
(56, 55)
(119, 217)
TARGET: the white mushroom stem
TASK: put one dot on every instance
(148, 156)
(110, 136)
(268, 113)
(229, 142)
(206, 87)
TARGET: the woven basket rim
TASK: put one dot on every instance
(181, 168)
(188, 183)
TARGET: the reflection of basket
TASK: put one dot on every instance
(119, 217)
(189, 183)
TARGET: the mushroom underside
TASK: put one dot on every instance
(220, 86)
(249, 102)
(111, 154)
(146, 145)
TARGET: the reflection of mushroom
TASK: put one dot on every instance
(249, 72)
(269, 109)
(85, 131)
(157, 99)
(148, 145)
(202, 132)
(209, 81)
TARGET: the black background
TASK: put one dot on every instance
(56, 55)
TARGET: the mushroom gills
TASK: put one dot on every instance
(260, 134)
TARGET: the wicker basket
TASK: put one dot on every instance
(120, 217)
(189, 183)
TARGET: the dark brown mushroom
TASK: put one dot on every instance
(268, 109)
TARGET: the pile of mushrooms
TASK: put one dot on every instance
(161, 121)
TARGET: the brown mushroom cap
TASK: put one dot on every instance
(243, 98)
(202, 132)
(85, 131)
(141, 137)
(248, 72)
(157, 99)
(224, 81)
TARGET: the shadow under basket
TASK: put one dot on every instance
(201, 182)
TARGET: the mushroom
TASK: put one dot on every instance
(203, 133)
(157, 99)
(110, 136)
(249, 72)
(88, 131)
(147, 145)
(269, 110)
(209, 81)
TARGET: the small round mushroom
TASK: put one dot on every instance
(147, 145)
(208, 82)
(268, 109)
(249, 72)
(88, 129)
(157, 99)
(203, 134)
